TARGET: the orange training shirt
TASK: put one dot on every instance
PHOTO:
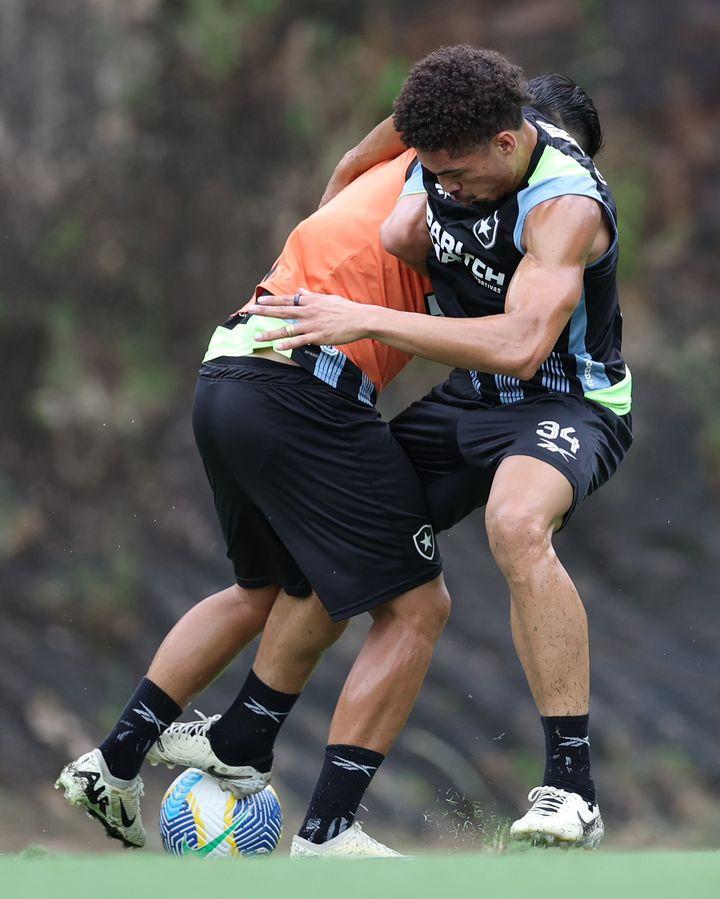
(337, 250)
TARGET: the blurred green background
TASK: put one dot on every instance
(153, 157)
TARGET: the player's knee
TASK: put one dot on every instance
(435, 608)
(328, 634)
(423, 611)
(243, 602)
(517, 533)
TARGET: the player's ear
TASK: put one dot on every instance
(506, 142)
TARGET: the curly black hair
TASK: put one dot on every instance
(459, 97)
(566, 104)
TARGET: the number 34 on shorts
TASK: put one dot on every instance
(553, 434)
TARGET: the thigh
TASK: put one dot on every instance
(530, 493)
(353, 512)
(455, 496)
(428, 432)
(334, 486)
(565, 433)
(258, 556)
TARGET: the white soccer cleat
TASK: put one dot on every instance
(115, 803)
(186, 743)
(351, 843)
(557, 816)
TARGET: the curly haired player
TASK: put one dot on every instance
(523, 264)
(256, 405)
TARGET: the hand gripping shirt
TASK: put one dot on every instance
(477, 249)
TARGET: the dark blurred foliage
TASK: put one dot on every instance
(153, 156)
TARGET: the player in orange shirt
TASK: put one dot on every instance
(355, 526)
(339, 248)
(351, 535)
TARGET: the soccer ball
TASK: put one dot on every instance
(198, 818)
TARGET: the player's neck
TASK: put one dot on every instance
(527, 141)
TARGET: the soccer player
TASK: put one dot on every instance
(313, 494)
(537, 416)
(239, 745)
(404, 233)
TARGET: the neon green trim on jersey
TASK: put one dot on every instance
(242, 339)
(555, 164)
(617, 398)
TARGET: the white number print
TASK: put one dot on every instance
(551, 431)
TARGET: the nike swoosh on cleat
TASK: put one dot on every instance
(127, 822)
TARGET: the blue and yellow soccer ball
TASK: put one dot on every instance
(198, 818)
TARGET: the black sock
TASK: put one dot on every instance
(149, 712)
(345, 776)
(246, 733)
(567, 755)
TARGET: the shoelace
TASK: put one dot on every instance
(365, 839)
(546, 800)
(194, 728)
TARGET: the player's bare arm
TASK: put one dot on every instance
(560, 237)
(382, 143)
(404, 232)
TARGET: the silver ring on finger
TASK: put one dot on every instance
(296, 300)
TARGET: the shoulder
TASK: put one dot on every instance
(559, 173)
(563, 228)
(574, 207)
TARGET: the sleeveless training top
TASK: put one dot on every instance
(477, 249)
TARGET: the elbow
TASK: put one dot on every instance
(525, 364)
(410, 247)
(350, 164)
(527, 370)
(533, 342)
(524, 372)
(404, 233)
(393, 239)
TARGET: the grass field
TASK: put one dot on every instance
(532, 874)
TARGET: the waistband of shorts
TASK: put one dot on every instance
(331, 366)
(326, 363)
(255, 368)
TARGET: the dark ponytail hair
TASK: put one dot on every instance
(567, 105)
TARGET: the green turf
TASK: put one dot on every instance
(534, 874)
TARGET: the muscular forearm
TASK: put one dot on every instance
(559, 236)
(502, 344)
(515, 342)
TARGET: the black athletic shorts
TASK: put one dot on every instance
(456, 444)
(311, 489)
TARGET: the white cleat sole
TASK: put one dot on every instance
(240, 788)
(546, 840)
(155, 763)
(559, 818)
